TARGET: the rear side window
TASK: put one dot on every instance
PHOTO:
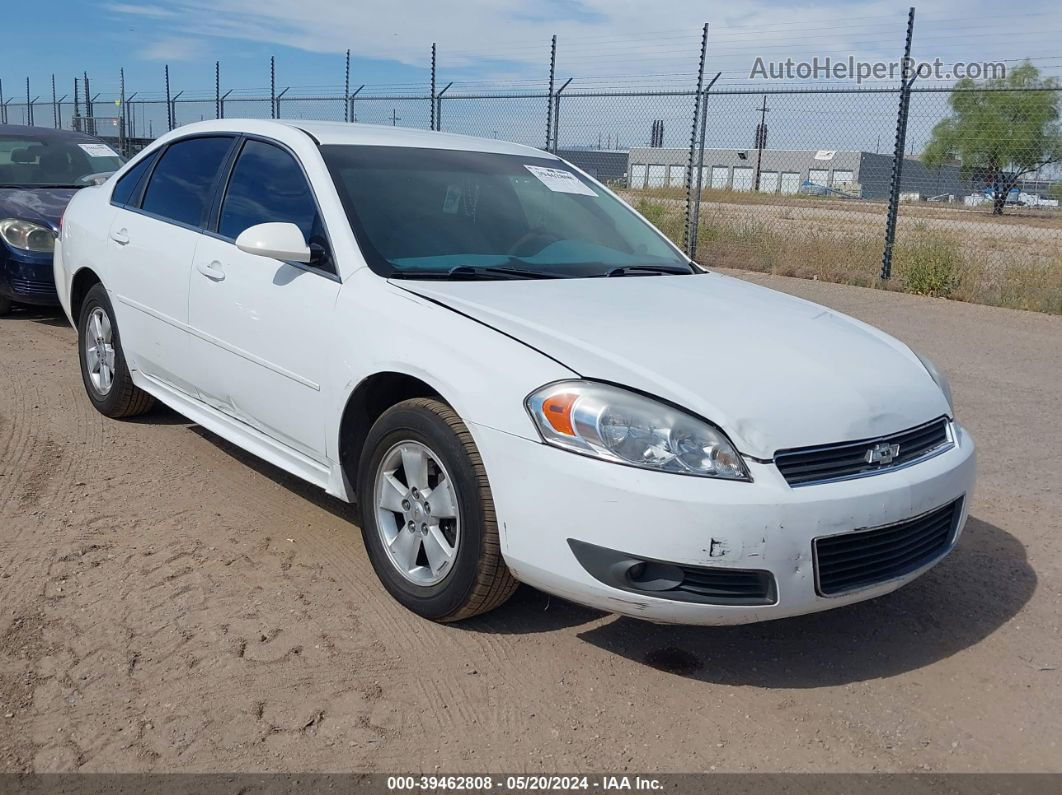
(183, 182)
(125, 188)
(267, 185)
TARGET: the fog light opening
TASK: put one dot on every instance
(651, 576)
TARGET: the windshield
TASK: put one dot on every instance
(442, 213)
(28, 162)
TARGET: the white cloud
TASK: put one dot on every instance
(599, 37)
(173, 48)
(155, 12)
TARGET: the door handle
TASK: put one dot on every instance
(120, 236)
(212, 270)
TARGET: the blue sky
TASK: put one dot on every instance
(491, 40)
(484, 44)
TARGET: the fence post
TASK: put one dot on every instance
(121, 112)
(223, 98)
(3, 107)
(91, 124)
(346, 90)
(55, 106)
(433, 85)
(687, 235)
(438, 106)
(556, 114)
(549, 101)
(169, 104)
(59, 110)
(75, 123)
(217, 89)
(173, 108)
(272, 87)
(282, 93)
(897, 158)
(353, 115)
(130, 115)
(695, 226)
(29, 105)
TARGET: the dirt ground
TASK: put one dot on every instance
(168, 603)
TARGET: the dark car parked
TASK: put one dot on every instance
(40, 169)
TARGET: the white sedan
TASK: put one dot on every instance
(514, 374)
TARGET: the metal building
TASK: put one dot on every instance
(854, 174)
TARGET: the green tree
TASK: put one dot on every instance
(997, 133)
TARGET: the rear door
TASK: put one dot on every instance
(260, 327)
(153, 238)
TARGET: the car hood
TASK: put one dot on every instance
(772, 370)
(41, 205)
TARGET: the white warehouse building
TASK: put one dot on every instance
(865, 175)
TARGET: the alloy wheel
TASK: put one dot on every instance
(99, 351)
(417, 515)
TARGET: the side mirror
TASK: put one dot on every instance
(281, 240)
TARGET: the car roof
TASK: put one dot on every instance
(329, 133)
(45, 132)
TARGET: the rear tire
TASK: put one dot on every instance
(5, 306)
(448, 565)
(107, 380)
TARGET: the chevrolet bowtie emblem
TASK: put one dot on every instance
(882, 453)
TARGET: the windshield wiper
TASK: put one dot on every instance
(497, 271)
(646, 270)
(471, 272)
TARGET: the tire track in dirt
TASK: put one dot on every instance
(191, 634)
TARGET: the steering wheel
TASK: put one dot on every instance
(538, 233)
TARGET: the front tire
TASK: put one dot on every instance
(427, 515)
(107, 380)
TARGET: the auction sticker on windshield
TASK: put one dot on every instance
(98, 150)
(558, 180)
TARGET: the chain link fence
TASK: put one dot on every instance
(797, 179)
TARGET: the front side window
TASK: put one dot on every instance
(182, 184)
(267, 185)
(427, 212)
(28, 161)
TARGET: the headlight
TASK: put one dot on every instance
(940, 378)
(26, 235)
(614, 424)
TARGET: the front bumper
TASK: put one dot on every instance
(27, 277)
(545, 498)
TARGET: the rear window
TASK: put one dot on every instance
(182, 184)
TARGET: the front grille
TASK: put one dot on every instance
(728, 586)
(35, 287)
(806, 465)
(856, 560)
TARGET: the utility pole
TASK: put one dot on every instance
(395, 118)
(761, 141)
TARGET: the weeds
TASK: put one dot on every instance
(926, 261)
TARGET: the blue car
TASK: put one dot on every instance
(40, 169)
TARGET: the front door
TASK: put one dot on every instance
(260, 327)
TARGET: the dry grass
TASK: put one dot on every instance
(926, 260)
